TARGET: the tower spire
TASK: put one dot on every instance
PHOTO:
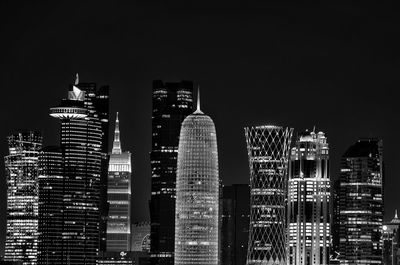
(117, 143)
(395, 214)
(77, 79)
(198, 110)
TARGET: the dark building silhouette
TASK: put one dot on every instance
(22, 197)
(83, 117)
(235, 224)
(360, 204)
(172, 102)
(50, 205)
(391, 236)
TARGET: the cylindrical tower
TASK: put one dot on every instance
(268, 150)
(197, 193)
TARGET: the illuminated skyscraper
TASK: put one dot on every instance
(309, 201)
(197, 193)
(391, 237)
(50, 182)
(82, 148)
(360, 214)
(119, 197)
(22, 197)
(268, 150)
(172, 102)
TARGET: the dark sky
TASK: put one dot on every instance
(334, 65)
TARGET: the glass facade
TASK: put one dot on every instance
(172, 102)
(268, 151)
(119, 197)
(22, 197)
(360, 204)
(82, 145)
(50, 205)
(309, 201)
(140, 237)
(197, 193)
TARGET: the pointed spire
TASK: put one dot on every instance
(77, 79)
(395, 214)
(117, 143)
(198, 110)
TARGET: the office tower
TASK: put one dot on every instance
(391, 236)
(140, 237)
(22, 197)
(309, 200)
(50, 182)
(119, 196)
(197, 192)
(268, 149)
(335, 224)
(172, 102)
(101, 99)
(360, 199)
(82, 148)
(235, 224)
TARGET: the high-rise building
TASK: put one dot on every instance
(119, 197)
(82, 145)
(268, 149)
(50, 181)
(309, 201)
(172, 102)
(22, 197)
(235, 224)
(360, 199)
(391, 236)
(197, 193)
(140, 240)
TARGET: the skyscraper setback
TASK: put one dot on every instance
(268, 149)
(360, 204)
(309, 201)
(172, 102)
(119, 196)
(197, 193)
(22, 197)
(82, 116)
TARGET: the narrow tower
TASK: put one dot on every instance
(268, 149)
(309, 201)
(119, 197)
(22, 197)
(197, 192)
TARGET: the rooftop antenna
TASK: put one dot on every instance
(198, 110)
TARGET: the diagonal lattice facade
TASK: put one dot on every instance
(268, 150)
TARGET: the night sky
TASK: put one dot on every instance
(334, 65)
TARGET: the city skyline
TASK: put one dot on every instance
(346, 67)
